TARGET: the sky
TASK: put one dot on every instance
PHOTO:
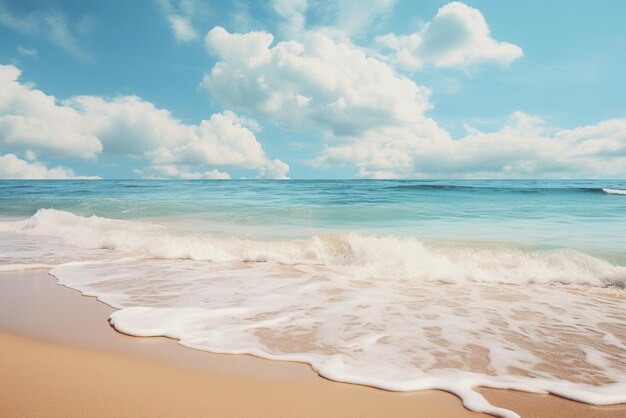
(312, 89)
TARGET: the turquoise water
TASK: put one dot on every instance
(568, 214)
(402, 285)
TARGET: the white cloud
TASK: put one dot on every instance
(458, 36)
(12, 167)
(31, 119)
(51, 25)
(172, 171)
(275, 169)
(183, 31)
(29, 155)
(179, 15)
(319, 83)
(523, 148)
(374, 118)
(86, 126)
(131, 126)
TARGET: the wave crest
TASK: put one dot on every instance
(352, 253)
(614, 191)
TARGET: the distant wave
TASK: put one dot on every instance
(614, 191)
(460, 187)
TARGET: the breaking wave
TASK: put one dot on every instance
(365, 255)
(394, 312)
(614, 191)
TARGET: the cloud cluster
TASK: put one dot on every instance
(13, 167)
(374, 118)
(320, 84)
(172, 171)
(275, 169)
(458, 36)
(367, 113)
(31, 119)
(522, 148)
(87, 126)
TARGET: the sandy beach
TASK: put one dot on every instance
(61, 358)
(312, 208)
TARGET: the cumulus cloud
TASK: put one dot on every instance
(12, 167)
(131, 126)
(172, 171)
(522, 148)
(375, 119)
(179, 15)
(319, 83)
(87, 126)
(31, 119)
(458, 36)
(275, 169)
(51, 25)
(359, 103)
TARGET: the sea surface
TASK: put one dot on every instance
(402, 285)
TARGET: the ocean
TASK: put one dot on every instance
(402, 285)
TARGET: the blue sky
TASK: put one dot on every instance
(312, 89)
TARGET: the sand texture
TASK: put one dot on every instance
(59, 357)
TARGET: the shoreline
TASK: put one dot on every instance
(49, 333)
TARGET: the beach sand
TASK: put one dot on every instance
(59, 357)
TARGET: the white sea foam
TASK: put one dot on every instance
(378, 256)
(395, 334)
(614, 191)
(390, 312)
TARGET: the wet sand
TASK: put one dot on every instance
(60, 357)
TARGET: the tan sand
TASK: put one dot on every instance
(59, 357)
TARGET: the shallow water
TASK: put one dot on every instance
(402, 285)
